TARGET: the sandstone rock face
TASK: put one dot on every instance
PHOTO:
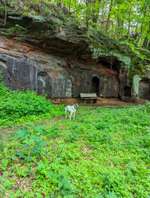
(109, 87)
(25, 67)
(56, 59)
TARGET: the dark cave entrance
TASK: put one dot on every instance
(144, 89)
(95, 85)
(127, 91)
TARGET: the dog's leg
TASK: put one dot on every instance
(70, 116)
(66, 114)
(74, 115)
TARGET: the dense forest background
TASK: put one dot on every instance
(125, 22)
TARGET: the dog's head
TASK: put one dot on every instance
(76, 105)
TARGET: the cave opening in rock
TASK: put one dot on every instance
(95, 85)
(127, 91)
(144, 88)
(110, 62)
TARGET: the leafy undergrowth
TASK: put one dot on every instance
(21, 106)
(104, 153)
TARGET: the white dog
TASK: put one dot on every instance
(70, 111)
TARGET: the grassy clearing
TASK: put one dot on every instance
(104, 153)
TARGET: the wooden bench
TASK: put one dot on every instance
(88, 97)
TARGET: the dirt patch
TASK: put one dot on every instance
(100, 102)
(66, 101)
(6, 132)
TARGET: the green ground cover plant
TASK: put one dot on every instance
(21, 106)
(104, 153)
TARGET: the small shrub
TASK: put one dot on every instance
(15, 105)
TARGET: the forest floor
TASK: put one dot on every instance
(100, 102)
(5, 132)
(104, 152)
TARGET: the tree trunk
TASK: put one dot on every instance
(109, 14)
(129, 22)
(5, 12)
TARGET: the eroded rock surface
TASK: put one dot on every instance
(27, 67)
(60, 58)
